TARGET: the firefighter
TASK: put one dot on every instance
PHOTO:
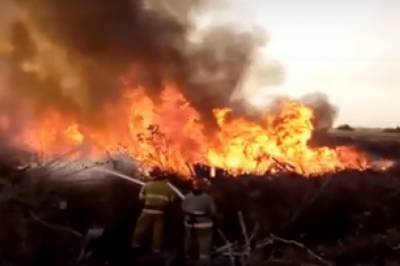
(157, 195)
(199, 209)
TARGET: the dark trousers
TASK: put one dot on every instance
(149, 223)
(201, 238)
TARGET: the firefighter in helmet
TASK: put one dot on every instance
(199, 209)
(157, 195)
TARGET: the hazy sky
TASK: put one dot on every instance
(349, 50)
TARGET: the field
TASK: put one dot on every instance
(366, 134)
(374, 141)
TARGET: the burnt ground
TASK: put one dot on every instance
(347, 218)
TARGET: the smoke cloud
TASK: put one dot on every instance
(72, 54)
(325, 113)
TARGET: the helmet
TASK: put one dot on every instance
(156, 173)
(200, 184)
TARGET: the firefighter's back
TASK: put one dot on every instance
(157, 194)
(200, 204)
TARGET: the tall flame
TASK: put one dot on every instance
(169, 133)
(279, 143)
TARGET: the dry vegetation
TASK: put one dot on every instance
(349, 218)
(367, 134)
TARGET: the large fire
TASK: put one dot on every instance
(169, 133)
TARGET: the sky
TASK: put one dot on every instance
(349, 50)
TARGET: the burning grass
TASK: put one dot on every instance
(169, 133)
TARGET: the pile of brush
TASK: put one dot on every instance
(345, 218)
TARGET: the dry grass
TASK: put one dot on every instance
(366, 134)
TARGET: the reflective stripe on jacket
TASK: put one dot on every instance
(150, 211)
(199, 225)
(199, 209)
(156, 195)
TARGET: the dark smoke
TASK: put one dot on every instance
(325, 113)
(73, 53)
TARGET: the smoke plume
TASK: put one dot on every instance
(72, 54)
(325, 113)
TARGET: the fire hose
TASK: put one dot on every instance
(192, 216)
(136, 181)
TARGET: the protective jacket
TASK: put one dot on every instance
(156, 196)
(198, 209)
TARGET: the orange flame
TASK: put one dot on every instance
(168, 132)
(279, 143)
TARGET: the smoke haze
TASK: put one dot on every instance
(72, 54)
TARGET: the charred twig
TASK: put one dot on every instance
(255, 230)
(55, 227)
(171, 259)
(286, 166)
(302, 246)
(266, 242)
(191, 171)
(91, 234)
(273, 239)
(223, 248)
(244, 232)
(240, 250)
(230, 252)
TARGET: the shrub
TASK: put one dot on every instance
(345, 127)
(392, 130)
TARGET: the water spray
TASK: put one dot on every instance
(134, 180)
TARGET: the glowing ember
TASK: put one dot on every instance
(169, 133)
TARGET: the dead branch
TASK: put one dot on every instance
(244, 232)
(191, 171)
(230, 252)
(222, 248)
(231, 245)
(266, 242)
(55, 227)
(243, 226)
(255, 230)
(302, 246)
